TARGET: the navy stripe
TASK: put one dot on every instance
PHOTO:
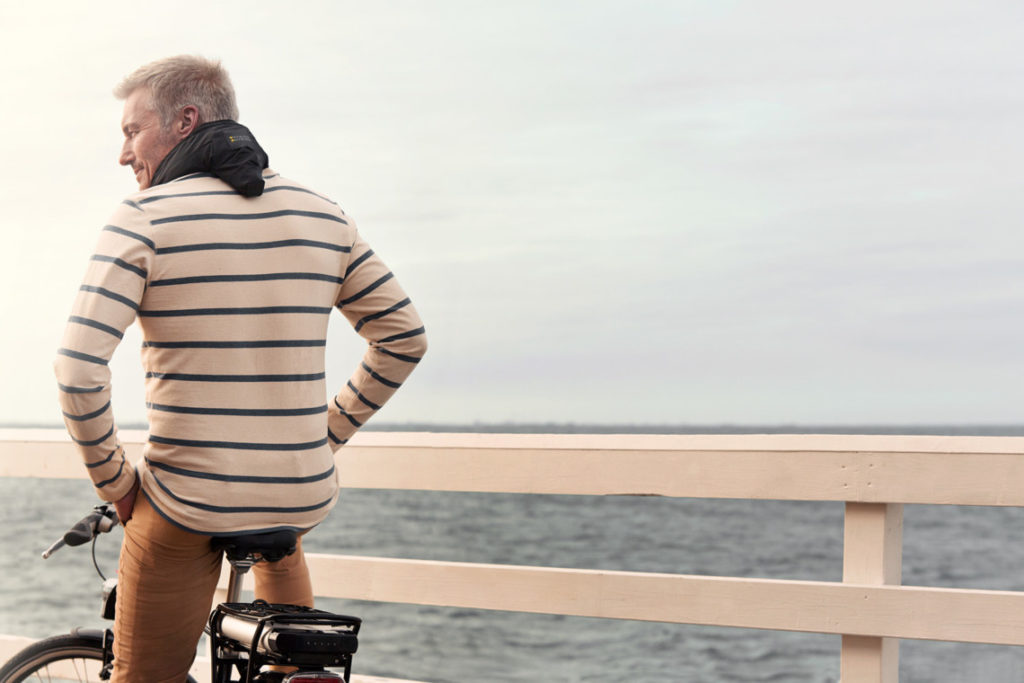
(132, 204)
(82, 356)
(380, 314)
(254, 479)
(113, 478)
(80, 390)
(104, 461)
(246, 412)
(366, 291)
(366, 401)
(248, 216)
(89, 322)
(332, 437)
(128, 233)
(191, 176)
(111, 295)
(88, 416)
(234, 378)
(358, 262)
(155, 198)
(158, 197)
(120, 263)
(207, 246)
(259, 310)
(179, 525)
(400, 356)
(383, 380)
(404, 335)
(239, 445)
(94, 442)
(267, 344)
(355, 423)
(258, 277)
(227, 509)
(293, 188)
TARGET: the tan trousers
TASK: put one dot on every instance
(166, 580)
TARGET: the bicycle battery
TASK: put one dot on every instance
(287, 634)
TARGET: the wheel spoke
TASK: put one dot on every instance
(77, 670)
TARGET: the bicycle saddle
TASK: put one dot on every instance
(271, 546)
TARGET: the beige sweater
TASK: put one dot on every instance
(233, 296)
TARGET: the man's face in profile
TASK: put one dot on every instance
(146, 141)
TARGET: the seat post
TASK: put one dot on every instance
(244, 550)
(239, 568)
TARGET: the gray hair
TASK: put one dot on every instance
(177, 82)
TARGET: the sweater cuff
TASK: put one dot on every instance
(121, 486)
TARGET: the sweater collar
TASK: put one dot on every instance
(225, 148)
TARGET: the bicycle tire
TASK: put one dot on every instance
(68, 658)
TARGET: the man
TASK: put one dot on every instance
(231, 271)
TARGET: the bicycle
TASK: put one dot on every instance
(245, 637)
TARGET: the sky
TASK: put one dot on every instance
(606, 212)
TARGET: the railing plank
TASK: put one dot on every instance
(974, 616)
(848, 468)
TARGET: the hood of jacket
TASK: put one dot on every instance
(225, 148)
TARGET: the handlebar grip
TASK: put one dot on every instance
(82, 532)
(102, 519)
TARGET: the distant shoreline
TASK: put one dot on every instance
(584, 428)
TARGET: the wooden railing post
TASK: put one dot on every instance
(872, 554)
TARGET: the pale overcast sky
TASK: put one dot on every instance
(607, 212)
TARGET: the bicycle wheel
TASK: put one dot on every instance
(67, 658)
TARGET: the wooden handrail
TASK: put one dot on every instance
(854, 468)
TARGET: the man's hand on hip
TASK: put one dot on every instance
(125, 506)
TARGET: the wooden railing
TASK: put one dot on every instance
(873, 475)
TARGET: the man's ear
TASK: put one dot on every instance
(187, 121)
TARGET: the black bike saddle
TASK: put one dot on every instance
(271, 546)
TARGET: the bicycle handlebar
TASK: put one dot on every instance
(102, 519)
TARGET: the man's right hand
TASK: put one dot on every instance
(125, 506)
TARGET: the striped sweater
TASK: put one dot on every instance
(233, 296)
